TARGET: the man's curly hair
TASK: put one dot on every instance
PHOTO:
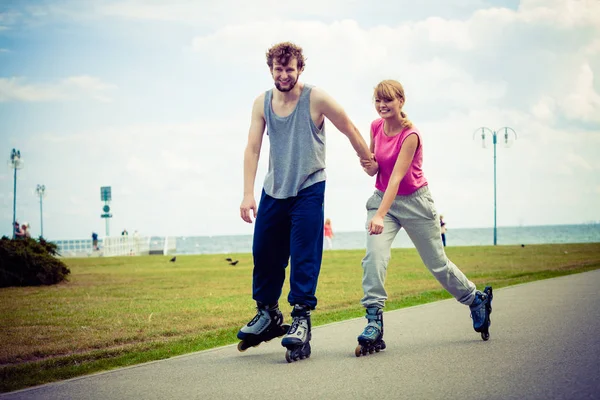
(283, 53)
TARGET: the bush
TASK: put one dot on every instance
(29, 262)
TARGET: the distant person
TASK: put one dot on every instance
(124, 233)
(402, 199)
(443, 229)
(328, 233)
(289, 219)
(95, 241)
(18, 231)
(25, 230)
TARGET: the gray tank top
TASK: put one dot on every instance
(297, 149)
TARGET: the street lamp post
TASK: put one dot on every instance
(509, 135)
(41, 190)
(15, 163)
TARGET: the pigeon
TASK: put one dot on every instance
(234, 262)
(228, 259)
(173, 259)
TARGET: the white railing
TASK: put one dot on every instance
(75, 248)
(118, 246)
(125, 246)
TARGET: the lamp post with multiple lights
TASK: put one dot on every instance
(40, 190)
(508, 135)
(15, 163)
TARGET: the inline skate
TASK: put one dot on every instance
(267, 324)
(297, 340)
(481, 308)
(371, 340)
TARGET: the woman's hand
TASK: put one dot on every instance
(370, 166)
(376, 225)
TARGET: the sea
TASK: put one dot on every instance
(585, 233)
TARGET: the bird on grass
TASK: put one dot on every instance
(173, 259)
(234, 262)
(228, 259)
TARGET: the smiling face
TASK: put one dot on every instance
(285, 76)
(389, 99)
(388, 108)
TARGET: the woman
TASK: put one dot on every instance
(402, 199)
(328, 233)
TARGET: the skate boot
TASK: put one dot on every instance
(267, 324)
(297, 340)
(371, 340)
(481, 308)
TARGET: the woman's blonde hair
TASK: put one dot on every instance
(389, 90)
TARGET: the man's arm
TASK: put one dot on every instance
(327, 106)
(251, 157)
(370, 166)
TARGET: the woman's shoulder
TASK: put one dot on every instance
(409, 131)
(377, 125)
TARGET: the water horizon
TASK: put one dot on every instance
(455, 237)
(510, 235)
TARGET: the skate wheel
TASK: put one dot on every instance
(358, 351)
(241, 347)
(288, 356)
(377, 349)
(485, 335)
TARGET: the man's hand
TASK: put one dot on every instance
(370, 166)
(248, 204)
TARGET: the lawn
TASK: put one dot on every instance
(122, 311)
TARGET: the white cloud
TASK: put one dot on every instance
(11, 89)
(579, 162)
(545, 109)
(72, 88)
(583, 102)
(232, 11)
(176, 172)
(565, 13)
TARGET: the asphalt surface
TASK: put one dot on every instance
(544, 344)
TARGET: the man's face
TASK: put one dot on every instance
(285, 76)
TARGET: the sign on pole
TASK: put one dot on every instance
(106, 197)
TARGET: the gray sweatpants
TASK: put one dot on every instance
(417, 215)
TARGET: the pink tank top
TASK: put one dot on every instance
(386, 153)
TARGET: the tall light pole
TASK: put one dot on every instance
(15, 163)
(41, 190)
(509, 136)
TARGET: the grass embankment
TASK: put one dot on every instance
(122, 311)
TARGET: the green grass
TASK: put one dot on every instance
(123, 311)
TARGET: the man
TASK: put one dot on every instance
(18, 232)
(95, 241)
(289, 220)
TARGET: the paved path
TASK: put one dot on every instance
(545, 344)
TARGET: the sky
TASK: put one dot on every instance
(153, 98)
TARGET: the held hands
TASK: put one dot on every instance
(370, 166)
(375, 225)
(248, 204)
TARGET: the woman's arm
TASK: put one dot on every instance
(405, 157)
